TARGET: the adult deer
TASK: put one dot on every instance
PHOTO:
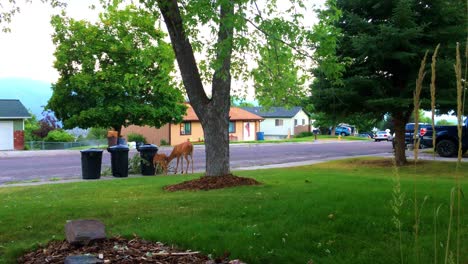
(181, 151)
(161, 161)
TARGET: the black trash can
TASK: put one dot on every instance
(147, 152)
(119, 160)
(91, 160)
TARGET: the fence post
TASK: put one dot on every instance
(42, 145)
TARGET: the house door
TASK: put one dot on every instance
(249, 131)
(6, 135)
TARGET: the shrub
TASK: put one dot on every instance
(163, 142)
(136, 137)
(304, 134)
(59, 135)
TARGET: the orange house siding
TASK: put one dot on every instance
(171, 132)
(177, 138)
(152, 134)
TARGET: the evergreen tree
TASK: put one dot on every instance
(381, 44)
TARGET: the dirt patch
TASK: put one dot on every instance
(120, 250)
(209, 183)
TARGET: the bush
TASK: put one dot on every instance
(136, 137)
(134, 162)
(163, 142)
(59, 135)
(304, 134)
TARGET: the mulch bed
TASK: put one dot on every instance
(120, 250)
(206, 183)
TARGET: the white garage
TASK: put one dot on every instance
(6, 135)
(12, 115)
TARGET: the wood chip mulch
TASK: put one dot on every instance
(206, 183)
(120, 250)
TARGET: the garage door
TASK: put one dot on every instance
(6, 135)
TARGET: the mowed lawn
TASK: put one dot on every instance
(336, 212)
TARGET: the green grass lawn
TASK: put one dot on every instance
(336, 212)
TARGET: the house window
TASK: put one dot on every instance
(186, 128)
(232, 127)
(278, 122)
(295, 122)
(303, 121)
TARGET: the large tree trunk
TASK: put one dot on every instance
(215, 128)
(399, 121)
(212, 112)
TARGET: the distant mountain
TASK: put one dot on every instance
(33, 94)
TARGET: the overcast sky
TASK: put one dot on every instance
(27, 52)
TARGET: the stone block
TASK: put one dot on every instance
(79, 232)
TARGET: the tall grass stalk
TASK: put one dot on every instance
(433, 101)
(460, 108)
(436, 216)
(433, 91)
(396, 204)
(447, 248)
(417, 104)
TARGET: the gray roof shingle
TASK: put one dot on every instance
(274, 111)
(13, 108)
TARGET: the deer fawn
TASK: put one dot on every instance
(161, 161)
(182, 151)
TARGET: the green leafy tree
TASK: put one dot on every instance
(277, 80)
(97, 133)
(31, 125)
(385, 41)
(445, 122)
(114, 73)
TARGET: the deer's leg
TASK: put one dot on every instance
(177, 166)
(191, 157)
(188, 163)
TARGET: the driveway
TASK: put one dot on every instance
(52, 165)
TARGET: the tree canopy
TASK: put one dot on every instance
(114, 73)
(381, 44)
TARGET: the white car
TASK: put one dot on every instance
(383, 136)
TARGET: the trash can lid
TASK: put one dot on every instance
(91, 150)
(118, 148)
(147, 147)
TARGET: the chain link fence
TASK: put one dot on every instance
(43, 145)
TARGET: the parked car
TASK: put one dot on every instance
(383, 136)
(343, 131)
(409, 133)
(446, 139)
(367, 134)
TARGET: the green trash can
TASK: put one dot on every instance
(147, 152)
(119, 160)
(91, 160)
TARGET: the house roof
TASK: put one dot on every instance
(235, 114)
(13, 109)
(274, 111)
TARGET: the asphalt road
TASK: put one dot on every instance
(27, 166)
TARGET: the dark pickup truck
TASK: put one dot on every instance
(409, 133)
(446, 139)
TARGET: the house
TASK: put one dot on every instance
(280, 122)
(12, 115)
(243, 126)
